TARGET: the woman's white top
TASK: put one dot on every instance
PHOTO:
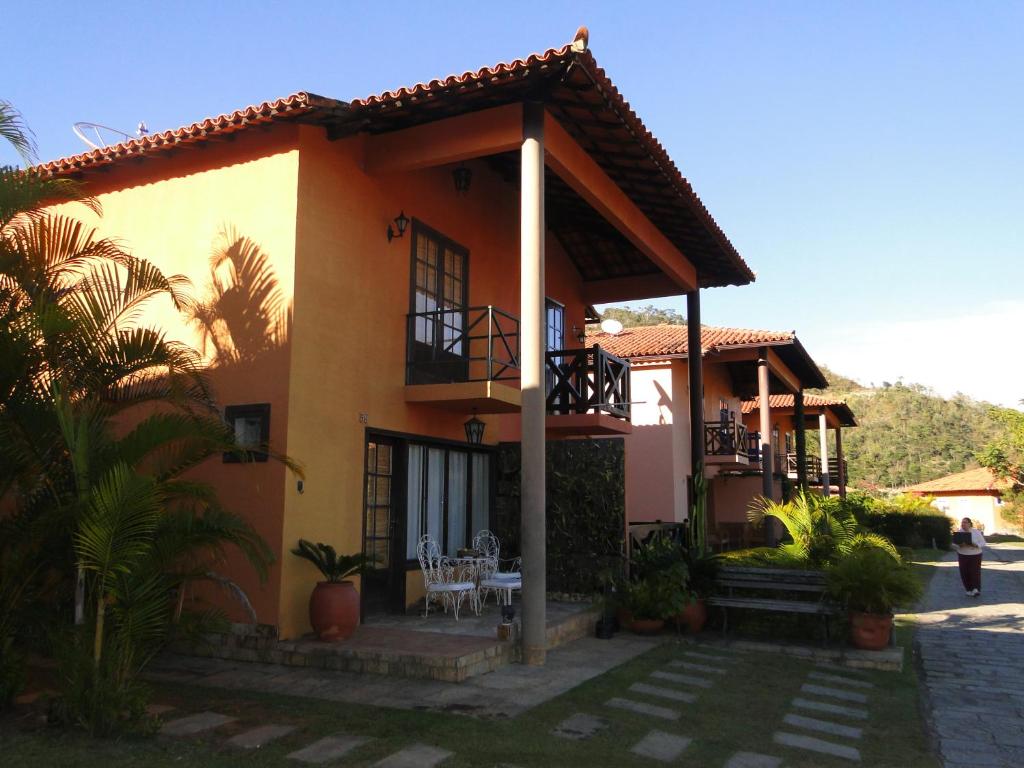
(976, 545)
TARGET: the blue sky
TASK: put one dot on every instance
(867, 159)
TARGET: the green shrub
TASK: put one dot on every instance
(871, 581)
(913, 530)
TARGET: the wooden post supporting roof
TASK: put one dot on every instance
(532, 498)
(840, 469)
(801, 440)
(826, 482)
(694, 366)
(764, 406)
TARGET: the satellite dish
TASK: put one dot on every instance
(611, 326)
(98, 136)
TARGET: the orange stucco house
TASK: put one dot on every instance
(736, 363)
(975, 493)
(436, 247)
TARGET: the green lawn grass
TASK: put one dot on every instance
(740, 713)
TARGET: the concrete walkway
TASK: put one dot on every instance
(971, 651)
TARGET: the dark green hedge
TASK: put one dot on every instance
(586, 510)
(910, 530)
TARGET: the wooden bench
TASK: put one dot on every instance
(792, 592)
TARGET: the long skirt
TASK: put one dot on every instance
(970, 571)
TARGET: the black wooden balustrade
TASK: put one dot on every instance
(754, 446)
(725, 438)
(457, 345)
(587, 381)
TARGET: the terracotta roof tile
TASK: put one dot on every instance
(973, 480)
(786, 401)
(288, 107)
(670, 340)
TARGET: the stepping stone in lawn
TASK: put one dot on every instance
(823, 726)
(690, 666)
(835, 693)
(257, 737)
(816, 745)
(831, 709)
(700, 682)
(708, 657)
(665, 693)
(416, 756)
(662, 746)
(327, 749)
(155, 710)
(579, 726)
(827, 678)
(753, 760)
(193, 724)
(643, 709)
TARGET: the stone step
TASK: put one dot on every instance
(193, 724)
(841, 679)
(416, 756)
(832, 709)
(579, 726)
(256, 737)
(693, 667)
(752, 760)
(641, 708)
(327, 749)
(812, 744)
(673, 677)
(823, 726)
(834, 693)
(665, 693)
(658, 745)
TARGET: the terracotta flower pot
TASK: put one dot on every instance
(625, 618)
(693, 617)
(334, 610)
(870, 631)
(647, 626)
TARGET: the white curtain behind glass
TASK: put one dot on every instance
(414, 507)
(458, 467)
(435, 494)
(481, 492)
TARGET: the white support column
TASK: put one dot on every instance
(531, 348)
(767, 482)
(826, 482)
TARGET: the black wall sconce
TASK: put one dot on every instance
(579, 333)
(462, 176)
(474, 431)
(401, 222)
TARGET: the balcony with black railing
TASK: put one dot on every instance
(465, 359)
(726, 443)
(587, 391)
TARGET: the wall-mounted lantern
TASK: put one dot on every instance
(401, 222)
(462, 176)
(579, 333)
(474, 431)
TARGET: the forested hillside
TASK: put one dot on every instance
(908, 433)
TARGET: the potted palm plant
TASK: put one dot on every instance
(334, 604)
(870, 583)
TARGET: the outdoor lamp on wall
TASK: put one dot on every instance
(775, 437)
(462, 176)
(401, 222)
(580, 334)
(474, 431)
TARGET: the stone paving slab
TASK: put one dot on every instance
(641, 708)
(834, 693)
(155, 710)
(255, 738)
(753, 760)
(832, 709)
(709, 657)
(816, 745)
(193, 724)
(658, 745)
(674, 677)
(665, 693)
(982, 634)
(693, 667)
(840, 679)
(328, 749)
(579, 726)
(823, 726)
(416, 756)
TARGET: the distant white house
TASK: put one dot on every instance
(976, 493)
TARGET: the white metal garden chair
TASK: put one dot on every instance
(503, 583)
(439, 579)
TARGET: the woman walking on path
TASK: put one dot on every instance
(969, 556)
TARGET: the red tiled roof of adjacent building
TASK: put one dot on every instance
(656, 341)
(690, 224)
(787, 401)
(978, 480)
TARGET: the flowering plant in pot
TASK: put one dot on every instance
(334, 604)
(870, 582)
(659, 588)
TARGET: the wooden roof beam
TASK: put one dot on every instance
(581, 172)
